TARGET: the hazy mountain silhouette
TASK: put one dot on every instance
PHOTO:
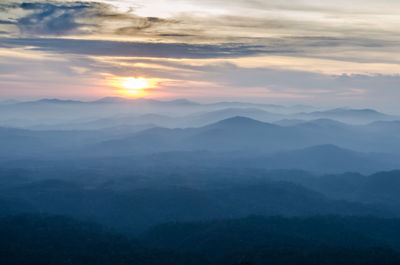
(183, 112)
(229, 134)
(350, 115)
(241, 133)
(215, 116)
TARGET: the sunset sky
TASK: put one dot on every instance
(335, 52)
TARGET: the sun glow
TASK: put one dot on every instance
(133, 86)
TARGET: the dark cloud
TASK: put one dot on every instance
(175, 35)
(137, 49)
(6, 22)
(53, 19)
(64, 18)
(311, 47)
(140, 24)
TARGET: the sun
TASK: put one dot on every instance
(129, 86)
(133, 83)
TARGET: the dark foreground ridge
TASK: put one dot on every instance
(45, 239)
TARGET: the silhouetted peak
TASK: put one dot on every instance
(239, 121)
(111, 100)
(57, 101)
(182, 101)
(348, 111)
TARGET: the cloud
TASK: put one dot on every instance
(48, 18)
(140, 24)
(52, 19)
(136, 49)
(74, 18)
(6, 22)
(284, 25)
(346, 49)
(302, 46)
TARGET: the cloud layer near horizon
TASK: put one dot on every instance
(336, 53)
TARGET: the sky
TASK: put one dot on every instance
(343, 53)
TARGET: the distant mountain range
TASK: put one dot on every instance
(240, 133)
(256, 135)
(55, 114)
(132, 164)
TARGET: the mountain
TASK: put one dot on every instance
(55, 101)
(322, 159)
(181, 101)
(378, 188)
(322, 123)
(111, 100)
(52, 143)
(241, 133)
(118, 121)
(282, 109)
(162, 120)
(374, 144)
(384, 127)
(329, 159)
(288, 122)
(18, 142)
(236, 235)
(127, 208)
(48, 239)
(251, 240)
(239, 122)
(9, 102)
(277, 240)
(235, 133)
(50, 113)
(202, 119)
(358, 116)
